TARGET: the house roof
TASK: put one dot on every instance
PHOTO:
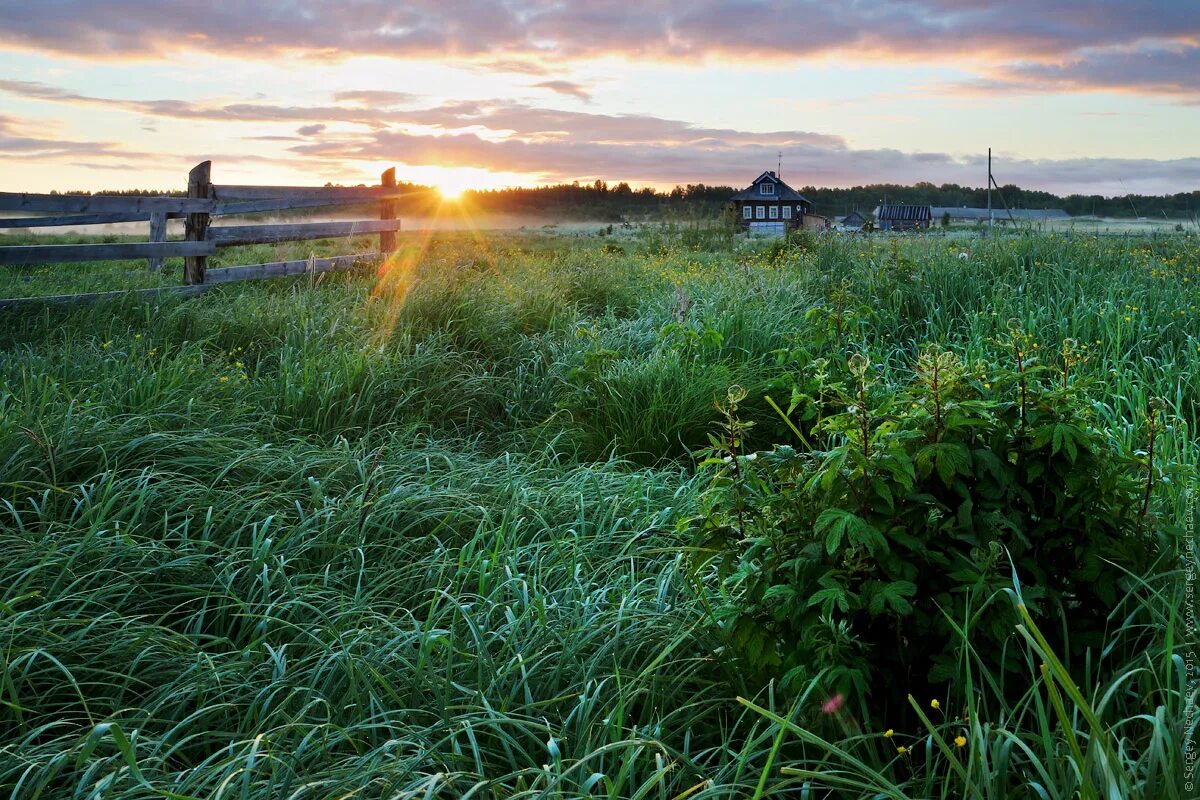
(782, 190)
(898, 213)
(854, 216)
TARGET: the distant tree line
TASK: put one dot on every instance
(600, 201)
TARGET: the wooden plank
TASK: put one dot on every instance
(78, 219)
(122, 251)
(101, 204)
(387, 211)
(195, 226)
(296, 231)
(290, 203)
(214, 278)
(276, 269)
(225, 207)
(158, 233)
(228, 193)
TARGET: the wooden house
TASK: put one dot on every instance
(903, 218)
(770, 206)
(853, 221)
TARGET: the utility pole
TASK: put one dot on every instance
(779, 167)
(991, 217)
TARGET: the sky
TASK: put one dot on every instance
(1086, 96)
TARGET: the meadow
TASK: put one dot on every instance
(445, 527)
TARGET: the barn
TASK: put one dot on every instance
(854, 221)
(770, 206)
(903, 218)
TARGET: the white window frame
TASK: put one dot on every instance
(760, 212)
(773, 211)
(787, 212)
(747, 212)
(766, 188)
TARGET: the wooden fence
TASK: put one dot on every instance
(204, 201)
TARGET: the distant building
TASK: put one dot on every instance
(903, 218)
(770, 206)
(853, 221)
(965, 214)
(815, 222)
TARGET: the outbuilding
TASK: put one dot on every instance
(903, 218)
(853, 221)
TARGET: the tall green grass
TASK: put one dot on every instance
(412, 534)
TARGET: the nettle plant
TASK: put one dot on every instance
(878, 546)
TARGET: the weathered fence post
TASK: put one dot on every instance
(158, 233)
(195, 228)
(387, 210)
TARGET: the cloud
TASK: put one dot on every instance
(520, 35)
(26, 139)
(499, 117)
(569, 88)
(737, 159)
(375, 98)
(1164, 69)
(553, 145)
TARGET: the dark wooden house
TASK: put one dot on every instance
(903, 218)
(770, 206)
(854, 220)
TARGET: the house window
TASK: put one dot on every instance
(760, 212)
(766, 187)
(787, 212)
(747, 212)
(774, 212)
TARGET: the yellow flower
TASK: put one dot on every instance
(901, 749)
(889, 733)
(934, 704)
(224, 379)
(960, 741)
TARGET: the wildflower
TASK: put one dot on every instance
(833, 704)
(934, 704)
(224, 379)
(889, 733)
(901, 749)
(960, 741)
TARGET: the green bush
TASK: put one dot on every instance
(856, 554)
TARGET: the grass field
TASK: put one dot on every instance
(423, 532)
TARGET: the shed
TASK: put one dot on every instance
(853, 221)
(903, 218)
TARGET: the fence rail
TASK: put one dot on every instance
(215, 278)
(204, 201)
